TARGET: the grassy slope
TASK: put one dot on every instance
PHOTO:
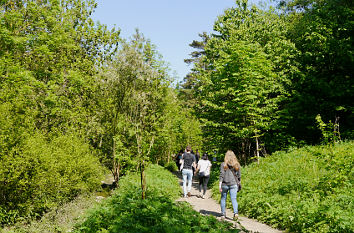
(61, 219)
(302, 190)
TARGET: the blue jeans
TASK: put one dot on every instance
(233, 196)
(187, 176)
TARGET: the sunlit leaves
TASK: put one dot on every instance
(242, 78)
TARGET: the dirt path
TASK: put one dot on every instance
(209, 206)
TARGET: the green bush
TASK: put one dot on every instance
(41, 174)
(303, 190)
(125, 211)
(171, 166)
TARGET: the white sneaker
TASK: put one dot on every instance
(203, 197)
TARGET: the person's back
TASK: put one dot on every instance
(204, 167)
(228, 182)
(227, 175)
(187, 172)
(188, 159)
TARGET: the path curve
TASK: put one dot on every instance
(209, 206)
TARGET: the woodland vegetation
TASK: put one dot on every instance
(301, 190)
(262, 77)
(78, 101)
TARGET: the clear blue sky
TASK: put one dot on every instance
(170, 24)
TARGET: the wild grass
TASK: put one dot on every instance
(60, 219)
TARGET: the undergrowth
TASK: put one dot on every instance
(61, 219)
(303, 190)
(125, 211)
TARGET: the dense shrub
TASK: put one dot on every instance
(41, 174)
(125, 211)
(171, 166)
(304, 190)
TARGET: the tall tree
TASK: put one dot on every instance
(132, 91)
(190, 82)
(322, 31)
(244, 78)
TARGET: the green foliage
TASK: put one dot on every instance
(242, 79)
(266, 74)
(141, 118)
(47, 64)
(126, 212)
(171, 166)
(49, 54)
(158, 179)
(322, 32)
(41, 174)
(302, 190)
(179, 128)
(61, 219)
(66, 77)
(330, 131)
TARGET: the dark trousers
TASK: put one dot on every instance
(203, 181)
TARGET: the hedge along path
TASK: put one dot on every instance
(209, 206)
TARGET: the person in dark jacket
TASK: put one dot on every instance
(187, 171)
(178, 159)
(230, 170)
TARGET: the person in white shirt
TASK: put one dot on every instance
(203, 168)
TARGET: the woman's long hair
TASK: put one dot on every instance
(230, 160)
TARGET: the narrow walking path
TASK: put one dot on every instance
(209, 206)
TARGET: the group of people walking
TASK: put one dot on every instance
(229, 178)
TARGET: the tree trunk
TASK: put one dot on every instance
(143, 180)
(249, 142)
(336, 132)
(257, 148)
(243, 152)
(115, 164)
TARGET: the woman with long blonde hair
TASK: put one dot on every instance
(229, 181)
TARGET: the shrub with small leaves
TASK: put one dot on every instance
(42, 174)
